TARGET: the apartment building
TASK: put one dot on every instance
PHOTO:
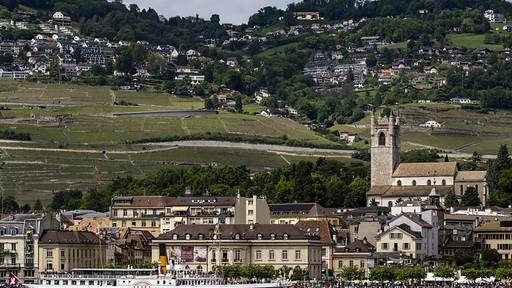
(19, 236)
(356, 254)
(204, 247)
(400, 242)
(63, 251)
(292, 213)
(328, 238)
(496, 234)
(214, 210)
(139, 212)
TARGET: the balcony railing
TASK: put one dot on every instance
(9, 266)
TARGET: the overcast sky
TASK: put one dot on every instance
(230, 11)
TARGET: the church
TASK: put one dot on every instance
(393, 182)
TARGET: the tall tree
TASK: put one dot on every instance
(450, 200)
(503, 161)
(470, 197)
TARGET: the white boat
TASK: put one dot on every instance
(138, 278)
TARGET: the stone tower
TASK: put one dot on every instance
(385, 149)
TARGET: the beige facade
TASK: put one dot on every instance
(214, 210)
(199, 246)
(63, 251)
(292, 213)
(401, 240)
(138, 212)
(357, 254)
(496, 234)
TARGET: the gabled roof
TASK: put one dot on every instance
(299, 209)
(319, 228)
(426, 169)
(414, 218)
(404, 228)
(471, 176)
(69, 237)
(359, 246)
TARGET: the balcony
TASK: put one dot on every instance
(7, 252)
(9, 266)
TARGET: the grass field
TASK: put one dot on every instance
(91, 128)
(471, 41)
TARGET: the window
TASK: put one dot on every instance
(174, 236)
(406, 246)
(461, 189)
(49, 266)
(273, 236)
(13, 246)
(297, 255)
(187, 236)
(390, 204)
(429, 183)
(340, 264)
(351, 263)
(271, 255)
(413, 182)
(250, 212)
(284, 255)
(125, 213)
(418, 246)
(324, 252)
(384, 246)
(62, 253)
(224, 255)
(49, 252)
(61, 266)
(13, 260)
(443, 182)
(2, 260)
(399, 183)
(260, 236)
(237, 236)
(258, 255)
(143, 223)
(285, 236)
(153, 223)
(238, 256)
(476, 188)
(382, 139)
(250, 202)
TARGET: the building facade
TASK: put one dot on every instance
(292, 213)
(214, 210)
(19, 235)
(357, 254)
(496, 234)
(204, 247)
(63, 251)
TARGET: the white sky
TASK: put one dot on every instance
(230, 11)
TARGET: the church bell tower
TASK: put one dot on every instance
(385, 149)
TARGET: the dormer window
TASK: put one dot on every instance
(237, 236)
(174, 236)
(187, 236)
(200, 236)
(285, 236)
(273, 236)
(260, 236)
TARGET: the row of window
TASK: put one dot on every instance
(4, 246)
(4, 231)
(496, 236)
(134, 212)
(429, 183)
(272, 255)
(134, 224)
(236, 236)
(237, 255)
(396, 246)
(73, 253)
(342, 264)
(3, 262)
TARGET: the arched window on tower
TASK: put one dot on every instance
(390, 204)
(382, 139)
(399, 183)
(429, 183)
(444, 182)
(413, 182)
(461, 189)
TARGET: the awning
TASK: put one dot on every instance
(179, 209)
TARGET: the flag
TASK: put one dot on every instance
(13, 280)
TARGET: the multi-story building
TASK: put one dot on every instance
(63, 251)
(400, 242)
(139, 212)
(204, 247)
(133, 247)
(214, 210)
(328, 236)
(356, 254)
(496, 234)
(292, 213)
(19, 236)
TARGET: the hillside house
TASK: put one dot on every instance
(431, 124)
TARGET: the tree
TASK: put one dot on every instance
(450, 200)
(156, 63)
(463, 257)
(351, 274)
(490, 257)
(385, 273)
(238, 104)
(503, 160)
(357, 194)
(299, 274)
(443, 271)
(9, 204)
(470, 197)
(504, 274)
(38, 206)
(412, 274)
